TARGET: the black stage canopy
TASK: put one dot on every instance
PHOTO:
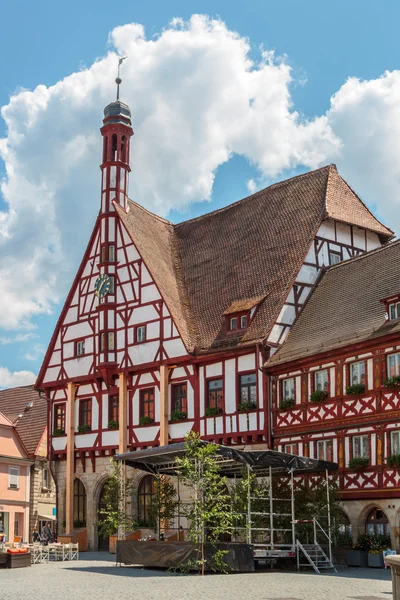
(162, 460)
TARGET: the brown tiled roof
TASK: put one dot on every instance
(30, 423)
(345, 307)
(251, 249)
(242, 305)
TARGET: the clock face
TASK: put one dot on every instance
(102, 285)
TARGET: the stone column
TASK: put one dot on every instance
(69, 493)
(394, 562)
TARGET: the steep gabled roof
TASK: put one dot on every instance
(253, 248)
(345, 306)
(29, 421)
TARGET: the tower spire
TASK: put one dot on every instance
(118, 80)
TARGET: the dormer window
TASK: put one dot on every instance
(239, 315)
(233, 323)
(394, 311)
(243, 322)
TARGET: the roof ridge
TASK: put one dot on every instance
(256, 194)
(367, 254)
(149, 212)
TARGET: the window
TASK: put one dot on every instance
(114, 147)
(113, 408)
(112, 286)
(377, 523)
(45, 479)
(248, 388)
(395, 442)
(233, 323)
(393, 365)
(147, 403)
(360, 446)
(325, 450)
(243, 321)
(79, 504)
(145, 496)
(13, 478)
(111, 253)
(357, 373)
(334, 257)
(111, 340)
(80, 348)
(140, 334)
(321, 380)
(215, 394)
(102, 341)
(288, 388)
(59, 417)
(105, 144)
(85, 413)
(103, 254)
(16, 525)
(179, 398)
(394, 311)
(290, 448)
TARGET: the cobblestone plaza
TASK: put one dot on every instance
(95, 577)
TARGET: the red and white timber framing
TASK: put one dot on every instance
(337, 422)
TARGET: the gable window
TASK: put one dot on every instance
(325, 450)
(233, 323)
(357, 373)
(59, 417)
(288, 388)
(111, 339)
(102, 341)
(290, 448)
(85, 413)
(393, 362)
(147, 408)
(321, 381)
(112, 285)
(179, 398)
(13, 478)
(395, 442)
(45, 479)
(243, 322)
(111, 253)
(248, 388)
(360, 446)
(140, 334)
(394, 311)
(80, 348)
(334, 257)
(113, 408)
(215, 394)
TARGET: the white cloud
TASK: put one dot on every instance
(36, 351)
(251, 186)
(20, 337)
(10, 379)
(196, 98)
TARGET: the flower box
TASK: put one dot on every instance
(375, 560)
(357, 558)
(287, 403)
(318, 396)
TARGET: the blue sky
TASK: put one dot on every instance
(323, 43)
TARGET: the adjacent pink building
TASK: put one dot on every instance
(15, 474)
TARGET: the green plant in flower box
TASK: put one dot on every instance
(247, 406)
(84, 428)
(318, 396)
(394, 461)
(392, 383)
(286, 403)
(212, 411)
(146, 420)
(178, 415)
(58, 431)
(113, 425)
(355, 390)
(358, 462)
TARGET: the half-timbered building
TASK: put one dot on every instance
(167, 326)
(336, 384)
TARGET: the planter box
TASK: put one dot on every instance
(12, 561)
(375, 560)
(357, 558)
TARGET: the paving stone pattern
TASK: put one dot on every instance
(95, 577)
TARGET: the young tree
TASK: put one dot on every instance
(209, 510)
(115, 516)
(164, 503)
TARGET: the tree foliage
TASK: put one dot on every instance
(117, 498)
(164, 503)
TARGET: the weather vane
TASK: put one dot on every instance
(119, 80)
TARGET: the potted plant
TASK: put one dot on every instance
(58, 432)
(394, 461)
(379, 543)
(84, 428)
(318, 396)
(177, 416)
(355, 390)
(358, 463)
(286, 403)
(212, 411)
(247, 406)
(392, 383)
(357, 556)
(146, 420)
(113, 425)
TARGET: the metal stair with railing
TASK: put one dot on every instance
(315, 557)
